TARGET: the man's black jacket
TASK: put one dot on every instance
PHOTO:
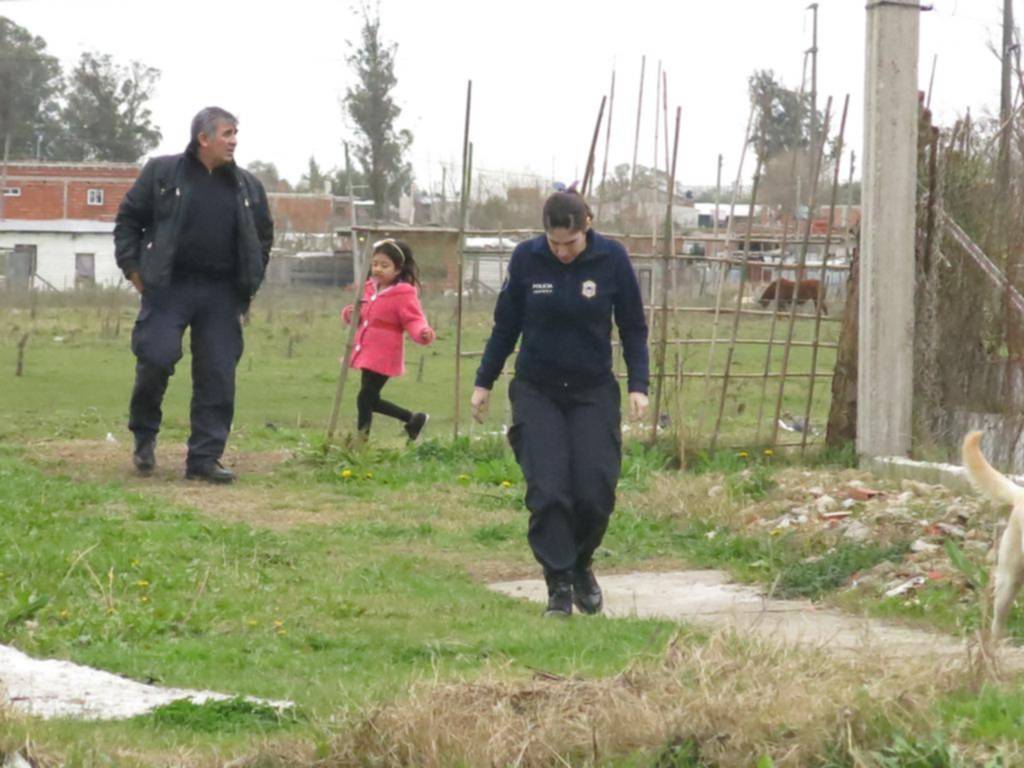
(149, 221)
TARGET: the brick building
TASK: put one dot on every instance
(59, 218)
(79, 191)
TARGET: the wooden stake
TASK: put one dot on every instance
(669, 240)
(636, 137)
(339, 390)
(824, 267)
(801, 262)
(20, 369)
(739, 294)
(588, 174)
(467, 176)
(607, 144)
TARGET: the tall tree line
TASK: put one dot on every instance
(98, 111)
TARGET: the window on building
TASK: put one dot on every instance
(12, 191)
(94, 197)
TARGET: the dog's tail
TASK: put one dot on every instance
(984, 477)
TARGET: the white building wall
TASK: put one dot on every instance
(55, 255)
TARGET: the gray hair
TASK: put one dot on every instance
(206, 119)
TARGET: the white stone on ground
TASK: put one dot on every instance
(52, 688)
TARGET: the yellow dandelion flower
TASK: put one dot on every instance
(769, 452)
(506, 484)
(65, 613)
(142, 583)
(743, 454)
(346, 473)
(144, 598)
(279, 623)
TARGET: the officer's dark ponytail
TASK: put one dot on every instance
(566, 210)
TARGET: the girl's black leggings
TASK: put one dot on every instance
(369, 401)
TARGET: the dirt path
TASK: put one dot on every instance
(710, 598)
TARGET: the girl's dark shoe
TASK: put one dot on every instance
(415, 425)
(586, 592)
(559, 596)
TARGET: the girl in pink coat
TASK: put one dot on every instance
(390, 306)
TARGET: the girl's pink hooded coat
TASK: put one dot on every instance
(384, 316)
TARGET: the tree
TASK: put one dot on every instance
(381, 148)
(106, 114)
(269, 176)
(781, 135)
(783, 114)
(314, 180)
(30, 82)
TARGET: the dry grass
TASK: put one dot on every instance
(733, 700)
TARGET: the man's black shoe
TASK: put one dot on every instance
(415, 425)
(213, 472)
(559, 596)
(144, 457)
(586, 592)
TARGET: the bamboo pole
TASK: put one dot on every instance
(771, 329)
(636, 137)
(794, 179)
(607, 144)
(467, 176)
(669, 240)
(357, 304)
(821, 283)
(801, 262)
(588, 174)
(743, 282)
(654, 167)
(723, 273)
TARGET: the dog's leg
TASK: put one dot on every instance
(1008, 575)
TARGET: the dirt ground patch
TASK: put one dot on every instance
(242, 502)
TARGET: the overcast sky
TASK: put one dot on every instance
(539, 69)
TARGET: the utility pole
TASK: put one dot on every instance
(813, 7)
(886, 301)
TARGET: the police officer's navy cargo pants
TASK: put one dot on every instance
(568, 443)
(211, 309)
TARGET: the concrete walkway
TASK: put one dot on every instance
(51, 688)
(709, 598)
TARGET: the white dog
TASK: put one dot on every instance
(1010, 562)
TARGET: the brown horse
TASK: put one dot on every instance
(807, 290)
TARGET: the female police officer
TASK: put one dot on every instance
(561, 292)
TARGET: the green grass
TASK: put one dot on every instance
(385, 589)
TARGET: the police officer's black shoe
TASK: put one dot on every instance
(144, 457)
(212, 472)
(415, 425)
(586, 592)
(559, 596)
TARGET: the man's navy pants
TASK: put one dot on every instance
(568, 443)
(211, 309)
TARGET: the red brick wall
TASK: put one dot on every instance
(60, 190)
(302, 213)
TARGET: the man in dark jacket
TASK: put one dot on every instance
(193, 236)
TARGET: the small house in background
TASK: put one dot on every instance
(57, 255)
(57, 223)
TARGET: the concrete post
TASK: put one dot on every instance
(886, 304)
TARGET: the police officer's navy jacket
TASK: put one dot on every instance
(150, 222)
(564, 313)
